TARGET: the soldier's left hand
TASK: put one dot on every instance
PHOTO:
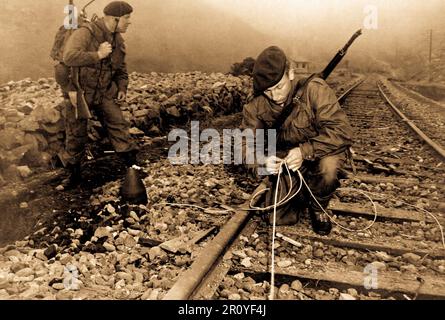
(121, 96)
(294, 159)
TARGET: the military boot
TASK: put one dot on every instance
(321, 223)
(288, 217)
(289, 213)
(75, 177)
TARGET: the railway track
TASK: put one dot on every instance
(401, 257)
(214, 248)
(427, 122)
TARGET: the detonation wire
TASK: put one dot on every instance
(289, 197)
(418, 208)
(286, 200)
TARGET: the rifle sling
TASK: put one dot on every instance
(287, 110)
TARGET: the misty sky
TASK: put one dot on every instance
(282, 16)
(322, 19)
(334, 20)
(210, 35)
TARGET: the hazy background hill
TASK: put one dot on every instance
(166, 36)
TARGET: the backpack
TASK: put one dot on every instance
(62, 73)
(60, 40)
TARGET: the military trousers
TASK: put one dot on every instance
(111, 118)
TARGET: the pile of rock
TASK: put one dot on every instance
(159, 100)
(32, 119)
(27, 273)
(31, 126)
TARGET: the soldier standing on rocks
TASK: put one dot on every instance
(98, 51)
(315, 137)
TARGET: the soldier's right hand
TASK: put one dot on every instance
(273, 165)
(105, 50)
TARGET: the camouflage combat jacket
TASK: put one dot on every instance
(317, 124)
(108, 75)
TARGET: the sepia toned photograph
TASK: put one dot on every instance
(240, 152)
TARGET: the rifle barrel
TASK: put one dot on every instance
(339, 56)
(87, 5)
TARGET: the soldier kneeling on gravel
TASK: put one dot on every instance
(98, 51)
(314, 137)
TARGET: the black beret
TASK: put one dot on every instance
(269, 69)
(118, 9)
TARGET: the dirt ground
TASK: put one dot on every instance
(43, 202)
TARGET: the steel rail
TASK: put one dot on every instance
(202, 267)
(347, 92)
(190, 280)
(411, 124)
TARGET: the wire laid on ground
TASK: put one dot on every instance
(405, 203)
(289, 196)
(285, 200)
(275, 205)
(338, 224)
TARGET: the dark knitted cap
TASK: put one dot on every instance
(269, 69)
(118, 9)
